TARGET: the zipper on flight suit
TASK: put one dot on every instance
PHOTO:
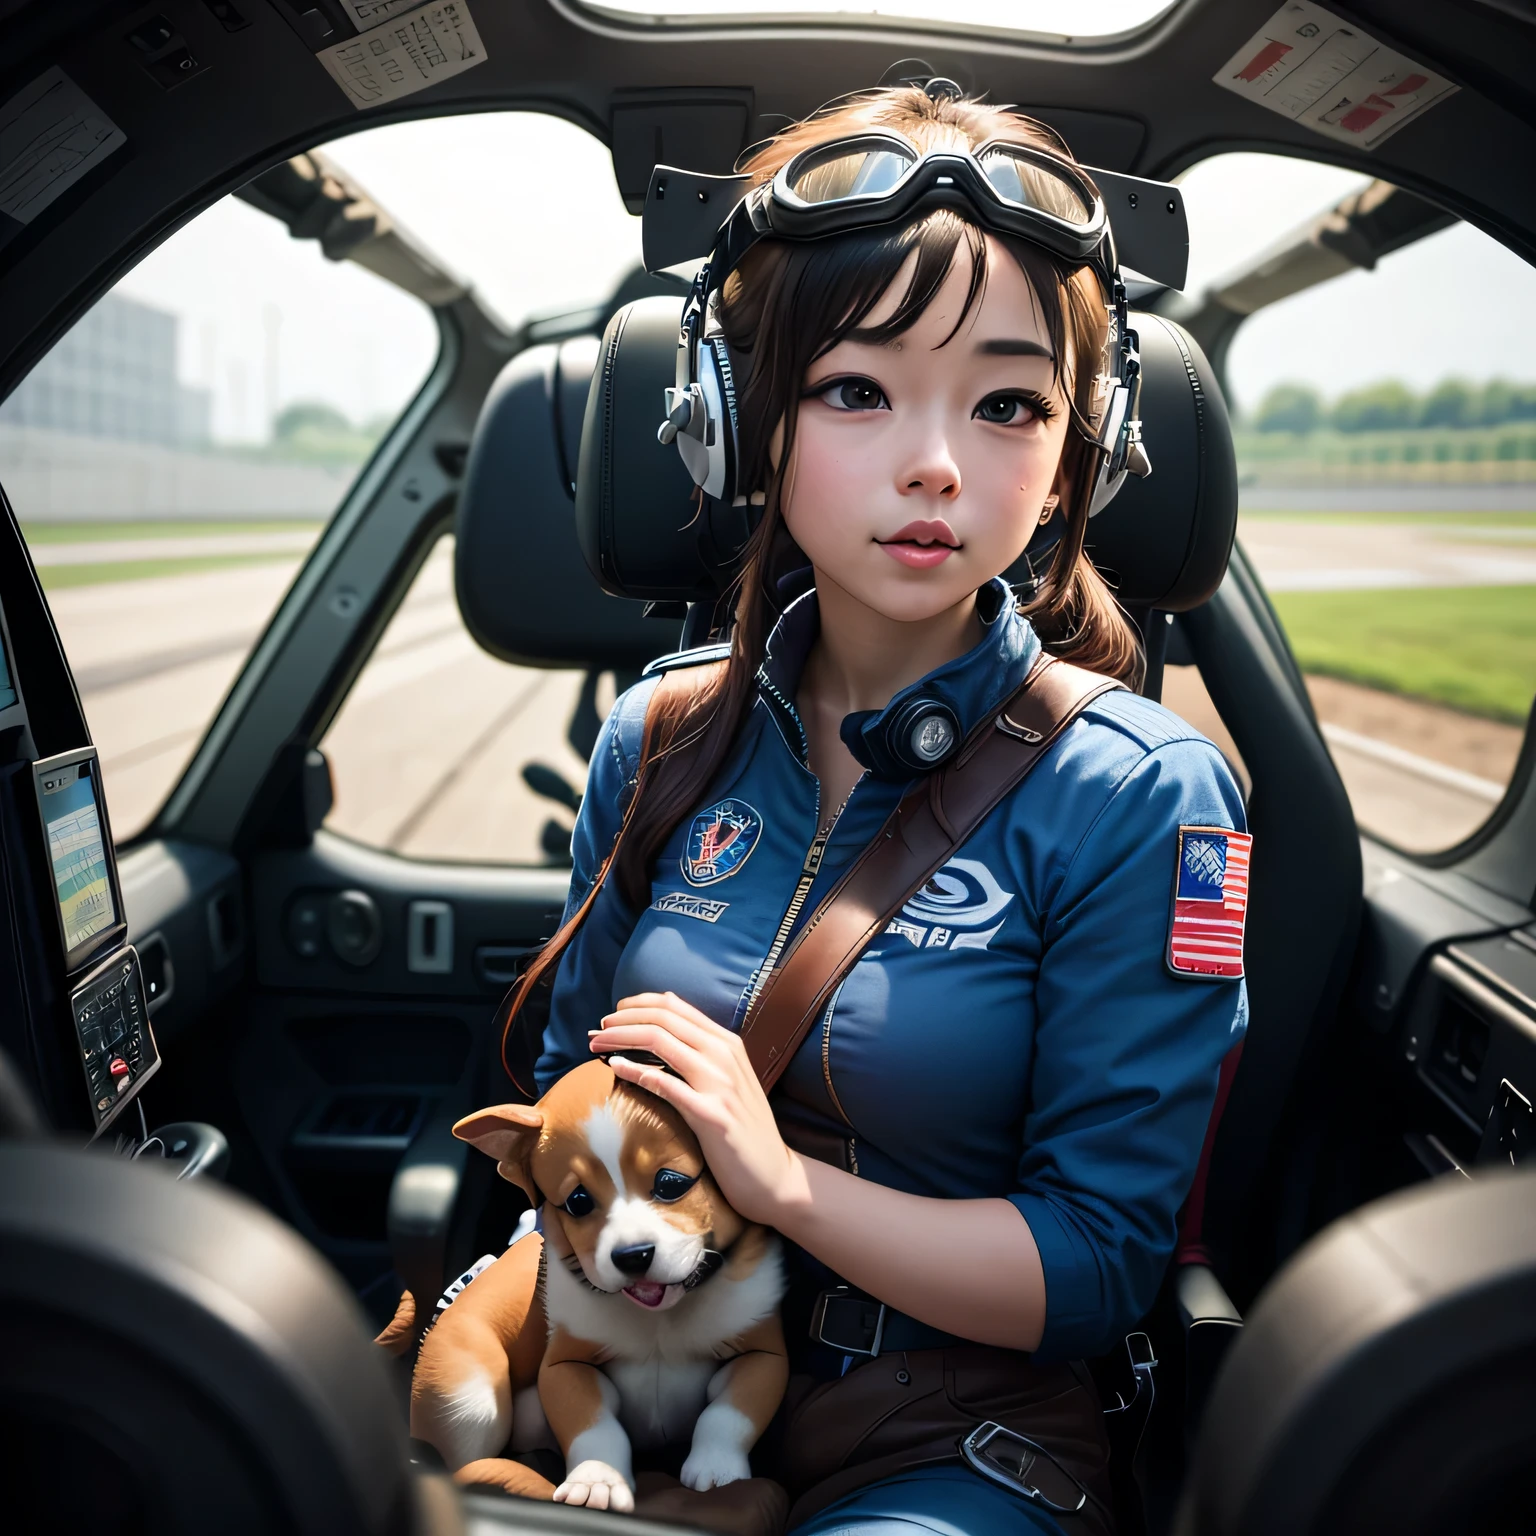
(808, 872)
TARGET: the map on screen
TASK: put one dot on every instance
(80, 876)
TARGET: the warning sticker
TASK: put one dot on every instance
(51, 134)
(403, 54)
(374, 13)
(1312, 67)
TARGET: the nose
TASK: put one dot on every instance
(929, 468)
(635, 1259)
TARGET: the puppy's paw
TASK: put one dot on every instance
(713, 1466)
(598, 1486)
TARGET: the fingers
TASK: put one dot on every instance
(675, 1004)
(677, 1054)
(701, 1035)
(695, 1107)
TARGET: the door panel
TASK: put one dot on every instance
(353, 1053)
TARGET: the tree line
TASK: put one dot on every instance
(1392, 406)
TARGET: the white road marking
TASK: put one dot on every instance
(1411, 762)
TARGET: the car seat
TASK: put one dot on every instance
(1386, 1381)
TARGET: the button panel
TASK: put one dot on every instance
(117, 1047)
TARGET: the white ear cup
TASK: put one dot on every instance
(1111, 475)
(716, 473)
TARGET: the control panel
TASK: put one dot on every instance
(117, 1047)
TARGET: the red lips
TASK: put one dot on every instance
(921, 544)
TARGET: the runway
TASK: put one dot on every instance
(428, 749)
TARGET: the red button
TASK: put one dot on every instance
(118, 1067)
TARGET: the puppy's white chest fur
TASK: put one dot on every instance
(661, 1362)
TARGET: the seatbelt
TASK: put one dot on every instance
(921, 835)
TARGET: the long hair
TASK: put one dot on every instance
(787, 305)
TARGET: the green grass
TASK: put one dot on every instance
(56, 578)
(93, 532)
(1450, 519)
(1473, 648)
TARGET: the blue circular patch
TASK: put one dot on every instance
(720, 841)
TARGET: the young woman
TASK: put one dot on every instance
(1019, 1079)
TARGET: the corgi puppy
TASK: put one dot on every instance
(652, 1307)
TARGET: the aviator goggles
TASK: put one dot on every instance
(880, 178)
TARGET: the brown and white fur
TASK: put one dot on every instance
(681, 1345)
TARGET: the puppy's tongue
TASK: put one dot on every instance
(649, 1293)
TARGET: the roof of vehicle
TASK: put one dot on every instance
(1146, 103)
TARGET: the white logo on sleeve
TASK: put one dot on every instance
(958, 908)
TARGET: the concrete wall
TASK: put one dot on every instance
(58, 477)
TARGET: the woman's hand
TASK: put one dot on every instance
(717, 1093)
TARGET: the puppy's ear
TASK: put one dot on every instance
(509, 1133)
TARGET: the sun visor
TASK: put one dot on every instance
(1151, 230)
(685, 209)
(683, 213)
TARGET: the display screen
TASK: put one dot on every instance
(72, 821)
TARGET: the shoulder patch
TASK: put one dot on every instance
(1210, 903)
(720, 841)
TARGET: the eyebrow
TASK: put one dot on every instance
(1013, 346)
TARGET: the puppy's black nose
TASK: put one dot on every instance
(635, 1259)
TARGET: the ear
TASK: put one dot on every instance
(509, 1133)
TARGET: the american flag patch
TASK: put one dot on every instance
(1210, 902)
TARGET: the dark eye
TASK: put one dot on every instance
(854, 395)
(1006, 410)
(579, 1203)
(671, 1185)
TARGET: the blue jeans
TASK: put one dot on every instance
(932, 1501)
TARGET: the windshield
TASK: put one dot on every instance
(1089, 20)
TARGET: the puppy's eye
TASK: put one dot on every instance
(579, 1203)
(671, 1185)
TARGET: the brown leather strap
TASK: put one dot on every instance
(923, 832)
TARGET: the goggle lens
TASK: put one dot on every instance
(1022, 180)
(845, 171)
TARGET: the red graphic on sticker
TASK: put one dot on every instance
(1264, 60)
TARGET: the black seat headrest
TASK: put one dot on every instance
(1163, 541)
(523, 589)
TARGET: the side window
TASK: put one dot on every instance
(440, 751)
(175, 456)
(1386, 437)
(487, 771)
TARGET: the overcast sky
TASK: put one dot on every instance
(526, 207)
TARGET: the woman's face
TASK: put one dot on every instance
(920, 467)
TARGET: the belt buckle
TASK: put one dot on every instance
(1024, 1467)
(847, 1322)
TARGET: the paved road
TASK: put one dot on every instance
(427, 751)
(193, 547)
(1308, 555)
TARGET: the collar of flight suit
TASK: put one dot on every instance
(972, 685)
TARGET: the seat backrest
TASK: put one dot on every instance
(1384, 1380)
(523, 588)
(174, 1359)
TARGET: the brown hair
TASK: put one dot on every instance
(787, 305)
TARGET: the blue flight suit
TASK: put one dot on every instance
(1017, 1032)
